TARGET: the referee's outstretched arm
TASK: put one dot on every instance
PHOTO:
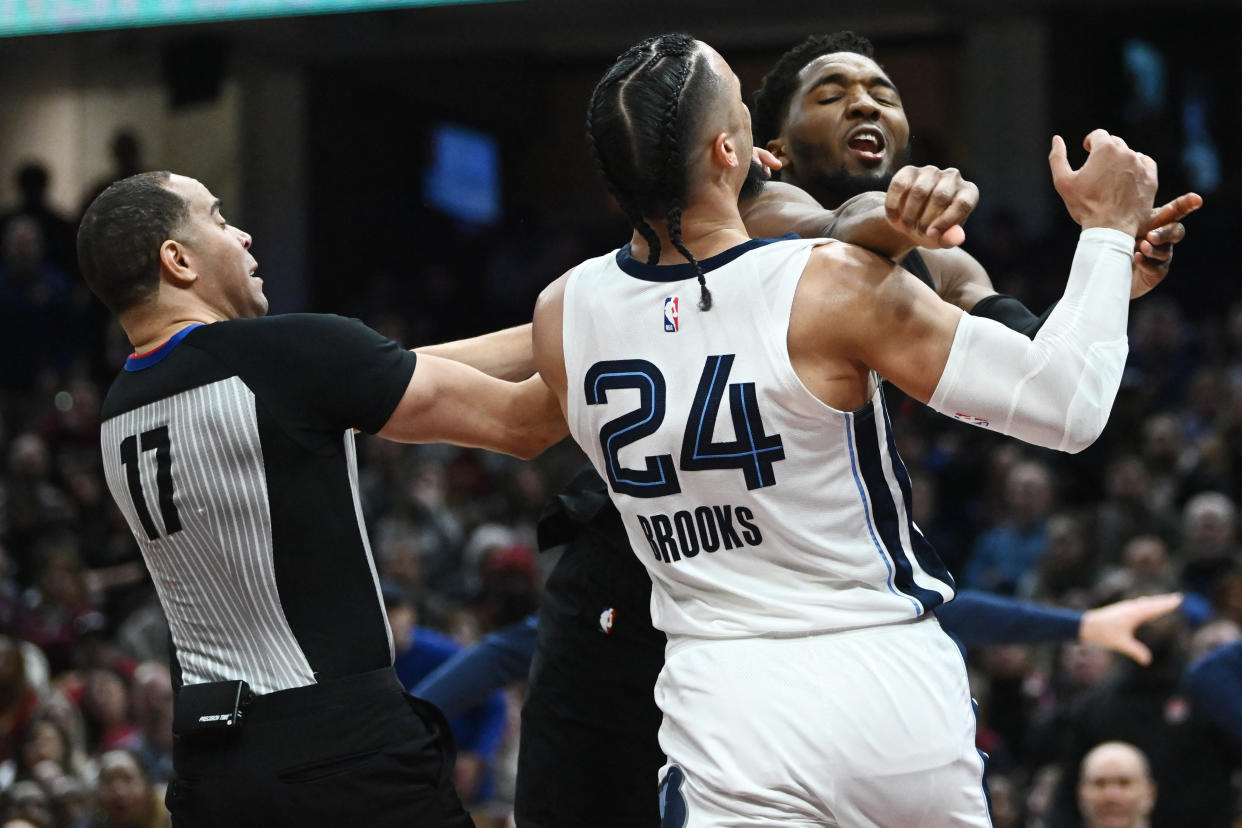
(448, 402)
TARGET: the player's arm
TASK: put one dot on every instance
(868, 219)
(448, 402)
(1056, 390)
(920, 201)
(865, 220)
(977, 617)
(780, 208)
(1113, 625)
(470, 676)
(961, 280)
(505, 354)
(549, 339)
(892, 224)
(983, 618)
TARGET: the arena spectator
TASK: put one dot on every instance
(1115, 788)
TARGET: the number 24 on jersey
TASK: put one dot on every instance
(753, 451)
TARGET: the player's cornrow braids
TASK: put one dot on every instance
(772, 99)
(673, 174)
(674, 235)
(625, 65)
(614, 144)
(636, 124)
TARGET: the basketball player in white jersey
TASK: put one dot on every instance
(726, 388)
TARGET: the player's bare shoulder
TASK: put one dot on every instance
(841, 268)
(548, 333)
(553, 295)
(847, 293)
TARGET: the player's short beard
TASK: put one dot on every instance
(753, 185)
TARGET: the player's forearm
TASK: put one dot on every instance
(862, 221)
(1058, 389)
(781, 209)
(504, 354)
(982, 618)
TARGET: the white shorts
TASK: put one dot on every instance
(871, 727)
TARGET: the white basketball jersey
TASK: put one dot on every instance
(757, 509)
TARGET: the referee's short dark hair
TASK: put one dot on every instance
(120, 237)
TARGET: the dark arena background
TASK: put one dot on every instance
(423, 167)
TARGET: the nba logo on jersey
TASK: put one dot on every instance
(672, 319)
(606, 619)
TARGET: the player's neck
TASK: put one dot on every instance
(704, 233)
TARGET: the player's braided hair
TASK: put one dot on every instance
(642, 112)
(772, 99)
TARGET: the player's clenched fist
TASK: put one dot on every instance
(930, 204)
(1114, 188)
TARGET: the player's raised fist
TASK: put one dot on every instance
(929, 204)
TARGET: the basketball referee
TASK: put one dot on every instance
(228, 445)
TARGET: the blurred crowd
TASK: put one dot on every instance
(85, 690)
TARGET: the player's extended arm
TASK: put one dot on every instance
(1056, 390)
(890, 223)
(977, 617)
(448, 402)
(867, 219)
(467, 678)
(983, 618)
(505, 354)
(1112, 626)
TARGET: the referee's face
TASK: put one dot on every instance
(219, 254)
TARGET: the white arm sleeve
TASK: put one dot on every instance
(1056, 390)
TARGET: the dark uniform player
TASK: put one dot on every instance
(228, 445)
(590, 720)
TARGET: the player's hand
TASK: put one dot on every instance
(1153, 251)
(929, 204)
(1112, 626)
(1114, 188)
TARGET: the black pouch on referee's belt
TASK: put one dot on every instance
(212, 711)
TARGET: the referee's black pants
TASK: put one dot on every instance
(354, 751)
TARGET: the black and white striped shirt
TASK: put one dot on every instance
(230, 451)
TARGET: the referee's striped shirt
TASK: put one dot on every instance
(230, 451)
